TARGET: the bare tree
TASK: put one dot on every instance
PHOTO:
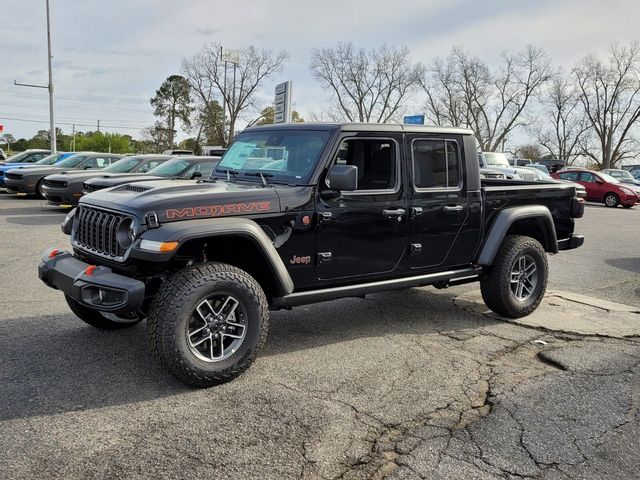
(208, 76)
(563, 126)
(610, 95)
(462, 90)
(367, 86)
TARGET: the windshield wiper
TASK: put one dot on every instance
(228, 172)
(263, 176)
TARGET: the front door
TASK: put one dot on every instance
(438, 204)
(363, 233)
(595, 190)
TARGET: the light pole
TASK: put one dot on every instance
(52, 127)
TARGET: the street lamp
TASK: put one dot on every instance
(52, 128)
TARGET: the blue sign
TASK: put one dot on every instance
(414, 120)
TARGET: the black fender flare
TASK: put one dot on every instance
(187, 230)
(507, 217)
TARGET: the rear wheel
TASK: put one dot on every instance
(207, 323)
(102, 320)
(515, 284)
(611, 200)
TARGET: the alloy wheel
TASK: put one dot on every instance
(217, 328)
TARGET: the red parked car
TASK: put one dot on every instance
(602, 187)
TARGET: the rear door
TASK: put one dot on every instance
(438, 204)
(363, 233)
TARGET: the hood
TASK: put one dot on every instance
(175, 200)
(113, 179)
(43, 171)
(75, 175)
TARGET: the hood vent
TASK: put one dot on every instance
(134, 188)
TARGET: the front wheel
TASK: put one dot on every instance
(515, 284)
(101, 320)
(207, 323)
(611, 200)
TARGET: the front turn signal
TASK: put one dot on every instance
(153, 246)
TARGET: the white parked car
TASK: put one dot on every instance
(499, 161)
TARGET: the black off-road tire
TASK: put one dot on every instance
(174, 305)
(611, 200)
(495, 280)
(97, 319)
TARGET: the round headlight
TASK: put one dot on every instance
(127, 232)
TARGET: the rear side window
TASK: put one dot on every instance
(573, 176)
(436, 163)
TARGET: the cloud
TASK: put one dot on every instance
(109, 57)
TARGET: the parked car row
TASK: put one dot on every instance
(63, 178)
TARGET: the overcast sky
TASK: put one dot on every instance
(109, 57)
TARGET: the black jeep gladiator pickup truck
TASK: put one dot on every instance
(303, 213)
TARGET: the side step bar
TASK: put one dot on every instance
(314, 296)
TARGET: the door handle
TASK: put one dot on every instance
(396, 213)
(452, 208)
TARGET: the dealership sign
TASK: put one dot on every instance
(414, 120)
(282, 103)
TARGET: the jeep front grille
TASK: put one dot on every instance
(96, 230)
(55, 183)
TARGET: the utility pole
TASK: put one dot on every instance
(73, 149)
(98, 125)
(52, 127)
(52, 135)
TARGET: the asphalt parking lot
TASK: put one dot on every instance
(402, 385)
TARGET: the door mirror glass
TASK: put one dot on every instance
(343, 178)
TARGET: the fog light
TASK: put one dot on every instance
(103, 296)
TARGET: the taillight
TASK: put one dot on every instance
(577, 207)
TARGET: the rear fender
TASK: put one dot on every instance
(509, 217)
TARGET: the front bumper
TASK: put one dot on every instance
(95, 287)
(574, 241)
(62, 196)
(20, 186)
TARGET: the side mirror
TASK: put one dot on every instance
(195, 175)
(343, 178)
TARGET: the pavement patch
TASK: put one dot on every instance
(568, 312)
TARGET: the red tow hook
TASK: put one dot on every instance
(89, 270)
(53, 252)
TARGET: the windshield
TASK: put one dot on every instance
(288, 156)
(608, 178)
(172, 168)
(496, 159)
(621, 174)
(26, 157)
(50, 160)
(71, 162)
(122, 166)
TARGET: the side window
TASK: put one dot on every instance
(587, 177)
(573, 176)
(144, 168)
(89, 163)
(436, 164)
(376, 162)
